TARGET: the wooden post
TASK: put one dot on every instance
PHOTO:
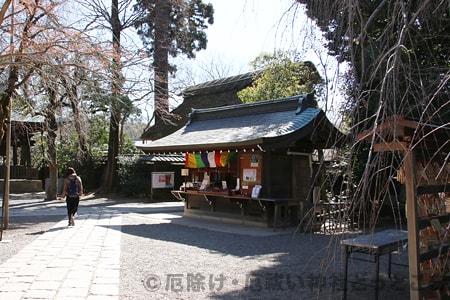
(413, 229)
(5, 203)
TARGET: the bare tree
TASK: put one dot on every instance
(60, 58)
(398, 57)
(117, 20)
(35, 38)
(171, 28)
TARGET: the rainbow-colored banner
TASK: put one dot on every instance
(208, 160)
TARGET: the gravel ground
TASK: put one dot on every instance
(164, 260)
(169, 261)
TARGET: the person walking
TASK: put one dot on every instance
(72, 191)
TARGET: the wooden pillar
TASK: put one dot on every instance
(15, 160)
(413, 229)
(25, 151)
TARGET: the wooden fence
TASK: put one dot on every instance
(20, 172)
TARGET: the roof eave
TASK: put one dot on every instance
(204, 147)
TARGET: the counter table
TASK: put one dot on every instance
(268, 212)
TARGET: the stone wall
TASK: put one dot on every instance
(18, 186)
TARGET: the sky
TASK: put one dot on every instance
(243, 29)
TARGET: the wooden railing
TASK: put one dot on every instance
(20, 172)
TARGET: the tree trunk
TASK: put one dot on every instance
(13, 77)
(52, 190)
(121, 139)
(110, 178)
(86, 159)
(161, 59)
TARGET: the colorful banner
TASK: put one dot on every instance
(208, 160)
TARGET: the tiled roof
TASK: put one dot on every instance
(19, 117)
(233, 83)
(25, 125)
(265, 125)
(220, 92)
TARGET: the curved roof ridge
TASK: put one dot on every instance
(281, 104)
(240, 81)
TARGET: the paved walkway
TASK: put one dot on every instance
(67, 262)
(82, 262)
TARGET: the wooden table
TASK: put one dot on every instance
(283, 202)
(377, 244)
(240, 200)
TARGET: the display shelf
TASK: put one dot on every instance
(435, 285)
(428, 175)
(425, 222)
(433, 253)
(433, 189)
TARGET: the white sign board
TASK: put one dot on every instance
(163, 180)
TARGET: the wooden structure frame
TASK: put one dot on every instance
(22, 129)
(273, 142)
(216, 93)
(399, 134)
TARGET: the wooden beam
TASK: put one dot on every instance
(413, 228)
(390, 146)
(394, 124)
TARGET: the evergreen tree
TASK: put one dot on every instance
(171, 27)
(398, 56)
(281, 76)
(398, 51)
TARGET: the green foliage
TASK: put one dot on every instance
(134, 175)
(281, 77)
(39, 151)
(67, 147)
(67, 151)
(398, 51)
(188, 21)
(128, 146)
(399, 65)
(98, 135)
(127, 108)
